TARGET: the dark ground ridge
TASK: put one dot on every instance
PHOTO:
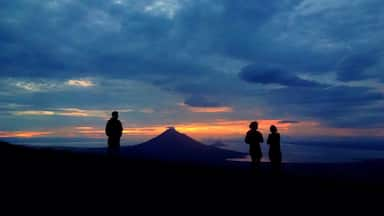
(46, 175)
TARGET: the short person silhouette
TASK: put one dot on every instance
(114, 131)
(274, 148)
(254, 138)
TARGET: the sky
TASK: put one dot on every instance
(207, 67)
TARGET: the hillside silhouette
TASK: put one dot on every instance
(65, 178)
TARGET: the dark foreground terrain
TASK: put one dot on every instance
(41, 179)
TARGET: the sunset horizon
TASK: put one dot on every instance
(177, 105)
(220, 129)
(66, 65)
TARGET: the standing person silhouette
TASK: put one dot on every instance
(253, 139)
(114, 131)
(274, 148)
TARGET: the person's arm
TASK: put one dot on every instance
(261, 138)
(246, 140)
(269, 140)
(107, 129)
(121, 128)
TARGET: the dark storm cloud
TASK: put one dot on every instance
(335, 106)
(332, 96)
(80, 38)
(345, 32)
(200, 101)
(97, 37)
(355, 67)
(273, 75)
(226, 26)
(69, 38)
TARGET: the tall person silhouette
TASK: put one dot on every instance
(274, 148)
(114, 131)
(253, 139)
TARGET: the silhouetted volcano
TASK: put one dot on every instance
(173, 145)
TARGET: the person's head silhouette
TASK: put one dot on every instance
(115, 115)
(273, 129)
(254, 125)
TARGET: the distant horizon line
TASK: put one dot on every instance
(286, 137)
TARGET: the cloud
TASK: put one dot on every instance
(90, 46)
(37, 85)
(333, 106)
(24, 134)
(71, 112)
(84, 128)
(332, 96)
(167, 8)
(250, 57)
(273, 75)
(35, 112)
(106, 38)
(355, 67)
(313, 7)
(76, 112)
(288, 122)
(206, 109)
(31, 86)
(210, 109)
(80, 83)
(201, 101)
(147, 110)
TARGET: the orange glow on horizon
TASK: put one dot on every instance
(215, 129)
(219, 128)
(24, 134)
(224, 128)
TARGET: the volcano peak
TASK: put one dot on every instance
(173, 145)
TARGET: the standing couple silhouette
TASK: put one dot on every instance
(254, 138)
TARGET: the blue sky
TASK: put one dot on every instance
(314, 66)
